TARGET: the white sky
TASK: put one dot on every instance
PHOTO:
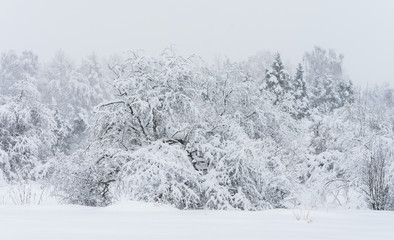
(362, 30)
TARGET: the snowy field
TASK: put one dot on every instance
(148, 221)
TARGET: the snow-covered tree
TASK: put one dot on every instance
(345, 150)
(301, 98)
(288, 93)
(26, 125)
(277, 81)
(72, 92)
(14, 67)
(329, 88)
(153, 102)
(235, 165)
(160, 172)
(257, 64)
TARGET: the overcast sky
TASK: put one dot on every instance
(362, 30)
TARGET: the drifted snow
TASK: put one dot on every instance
(133, 220)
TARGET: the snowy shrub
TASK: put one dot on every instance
(376, 176)
(25, 193)
(162, 173)
(232, 180)
(78, 180)
(239, 173)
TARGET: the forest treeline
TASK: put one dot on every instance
(248, 135)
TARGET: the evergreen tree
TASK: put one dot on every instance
(300, 94)
(288, 93)
(277, 80)
(329, 89)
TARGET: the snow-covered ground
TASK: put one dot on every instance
(149, 221)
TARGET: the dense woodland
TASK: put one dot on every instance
(249, 135)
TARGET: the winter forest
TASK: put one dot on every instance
(256, 134)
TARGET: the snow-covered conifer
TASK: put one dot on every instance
(329, 88)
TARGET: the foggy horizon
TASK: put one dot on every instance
(357, 29)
